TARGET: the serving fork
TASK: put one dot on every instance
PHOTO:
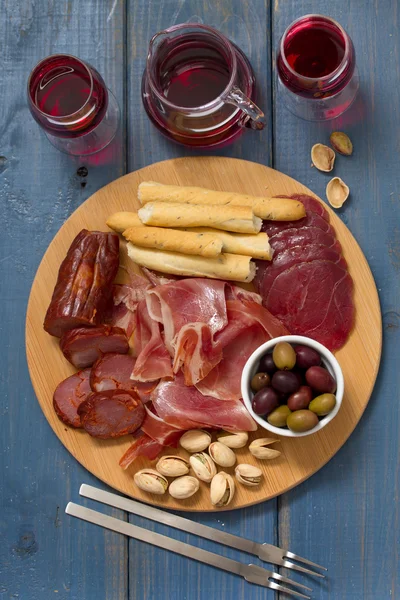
(252, 573)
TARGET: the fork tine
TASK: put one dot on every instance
(303, 560)
(289, 581)
(280, 588)
(294, 567)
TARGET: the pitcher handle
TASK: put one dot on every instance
(256, 116)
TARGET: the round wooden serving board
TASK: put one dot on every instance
(301, 457)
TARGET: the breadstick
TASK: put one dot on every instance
(175, 240)
(256, 246)
(120, 221)
(274, 209)
(229, 218)
(227, 266)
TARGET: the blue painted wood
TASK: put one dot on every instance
(346, 516)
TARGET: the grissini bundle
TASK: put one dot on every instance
(274, 209)
(120, 221)
(240, 219)
(175, 240)
(232, 267)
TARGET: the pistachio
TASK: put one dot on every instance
(259, 450)
(151, 481)
(234, 439)
(337, 192)
(203, 466)
(195, 440)
(184, 487)
(323, 157)
(172, 466)
(222, 455)
(222, 489)
(248, 475)
(341, 143)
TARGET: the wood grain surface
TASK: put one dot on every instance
(301, 457)
(347, 515)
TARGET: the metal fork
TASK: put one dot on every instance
(266, 552)
(251, 573)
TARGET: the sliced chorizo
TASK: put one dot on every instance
(113, 371)
(112, 413)
(69, 394)
(84, 345)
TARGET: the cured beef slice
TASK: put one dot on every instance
(84, 284)
(84, 345)
(310, 220)
(303, 237)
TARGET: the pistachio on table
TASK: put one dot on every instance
(221, 454)
(172, 466)
(337, 192)
(222, 489)
(248, 474)
(323, 157)
(341, 143)
(151, 481)
(233, 439)
(259, 450)
(195, 440)
(203, 466)
(184, 487)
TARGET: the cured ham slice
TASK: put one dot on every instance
(196, 352)
(153, 360)
(113, 372)
(160, 431)
(303, 237)
(311, 219)
(69, 394)
(142, 446)
(125, 301)
(249, 326)
(185, 407)
(314, 299)
(84, 345)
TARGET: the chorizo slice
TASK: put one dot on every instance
(84, 285)
(84, 345)
(112, 413)
(69, 394)
(113, 371)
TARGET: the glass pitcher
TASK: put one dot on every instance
(198, 87)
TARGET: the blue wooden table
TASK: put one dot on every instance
(347, 515)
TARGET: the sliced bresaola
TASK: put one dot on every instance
(312, 205)
(84, 345)
(113, 372)
(314, 299)
(310, 220)
(249, 326)
(160, 431)
(153, 359)
(142, 446)
(268, 271)
(69, 394)
(185, 407)
(303, 237)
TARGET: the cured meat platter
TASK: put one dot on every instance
(300, 457)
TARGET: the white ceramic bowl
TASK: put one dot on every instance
(328, 360)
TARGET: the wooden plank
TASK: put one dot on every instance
(44, 554)
(347, 516)
(155, 574)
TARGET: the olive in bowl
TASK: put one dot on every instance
(299, 397)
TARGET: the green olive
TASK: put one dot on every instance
(302, 420)
(322, 405)
(284, 356)
(279, 416)
(260, 381)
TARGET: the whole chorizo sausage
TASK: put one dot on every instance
(84, 284)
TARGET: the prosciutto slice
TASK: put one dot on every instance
(153, 359)
(314, 299)
(196, 352)
(185, 407)
(303, 237)
(249, 326)
(160, 431)
(125, 301)
(142, 446)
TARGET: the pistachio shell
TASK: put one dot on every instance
(337, 192)
(259, 450)
(341, 143)
(222, 455)
(195, 440)
(222, 489)
(184, 487)
(151, 481)
(234, 439)
(172, 466)
(323, 157)
(203, 466)
(248, 474)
